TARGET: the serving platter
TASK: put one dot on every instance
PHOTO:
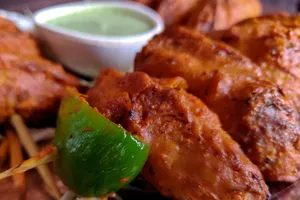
(137, 189)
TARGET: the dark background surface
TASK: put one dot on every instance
(23, 5)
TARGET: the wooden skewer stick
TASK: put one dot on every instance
(47, 155)
(32, 150)
(16, 158)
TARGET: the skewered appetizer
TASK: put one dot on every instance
(253, 111)
(136, 124)
(204, 15)
(31, 88)
(273, 43)
(187, 145)
(30, 85)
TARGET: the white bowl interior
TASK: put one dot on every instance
(42, 16)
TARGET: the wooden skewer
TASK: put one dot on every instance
(3, 150)
(47, 155)
(32, 150)
(16, 158)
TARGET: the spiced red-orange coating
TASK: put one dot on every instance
(273, 43)
(256, 113)
(190, 157)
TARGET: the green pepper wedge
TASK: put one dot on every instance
(95, 156)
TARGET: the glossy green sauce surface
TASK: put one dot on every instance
(106, 21)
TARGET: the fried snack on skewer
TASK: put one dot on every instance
(220, 15)
(29, 84)
(7, 26)
(18, 44)
(13, 41)
(173, 12)
(191, 157)
(204, 15)
(273, 42)
(31, 87)
(254, 112)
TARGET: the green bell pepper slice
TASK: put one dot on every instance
(95, 156)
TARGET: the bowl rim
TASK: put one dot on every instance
(91, 38)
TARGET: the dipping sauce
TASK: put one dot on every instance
(106, 21)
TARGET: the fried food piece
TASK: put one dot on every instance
(13, 41)
(29, 84)
(7, 26)
(31, 87)
(20, 44)
(204, 15)
(186, 53)
(273, 42)
(220, 15)
(191, 157)
(254, 112)
(173, 12)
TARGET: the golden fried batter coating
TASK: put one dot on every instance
(254, 112)
(20, 44)
(273, 42)
(31, 87)
(191, 157)
(29, 84)
(204, 15)
(173, 12)
(7, 26)
(185, 53)
(220, 15)
(260, 119)
(13, 41)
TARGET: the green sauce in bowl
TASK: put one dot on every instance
(105, 21)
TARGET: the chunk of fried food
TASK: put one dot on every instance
(191, 157)
(31, 87)
(204, 15)
(254, 112)
(29, 84)
(19, 44)
(173, 12)
(220, 15)
(273, 42)
(16, 42)
(7, 26)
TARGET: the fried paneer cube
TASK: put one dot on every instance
(190, 157)
(253, 111)
(31, 87)
(29, 84)
(204, 15)
(273, 43)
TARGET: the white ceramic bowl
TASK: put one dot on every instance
(85, 53)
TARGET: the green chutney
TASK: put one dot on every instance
(106, 21)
